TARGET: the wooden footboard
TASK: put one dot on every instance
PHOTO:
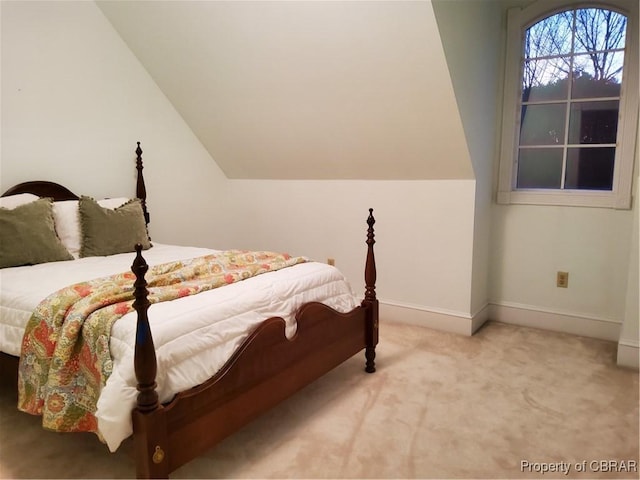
(266, 369)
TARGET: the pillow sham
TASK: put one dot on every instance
(13, 201)
(28, 236)
(67, 221)
(108, 231)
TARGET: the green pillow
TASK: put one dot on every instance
(107, 231)
(28, 235)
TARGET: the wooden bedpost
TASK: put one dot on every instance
(149, 422)
(370, 301)
(145, 354)
(141, 190)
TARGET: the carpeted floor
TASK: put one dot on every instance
(504, 403)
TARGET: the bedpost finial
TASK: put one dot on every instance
(370, 232)
(141, 189)
(370, 266)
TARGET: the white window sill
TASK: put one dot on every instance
(573, 198)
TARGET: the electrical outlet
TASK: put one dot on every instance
(331, 261)
(562, 279)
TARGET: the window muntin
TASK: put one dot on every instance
(571, 74)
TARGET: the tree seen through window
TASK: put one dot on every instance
(572, 67)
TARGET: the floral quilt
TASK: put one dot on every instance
(65, 358)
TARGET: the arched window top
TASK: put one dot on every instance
(581, 48)
(536, 15)
(541, 9)
(576, 30)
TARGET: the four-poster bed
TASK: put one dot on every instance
(269, 365)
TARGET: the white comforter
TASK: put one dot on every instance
(193, 335)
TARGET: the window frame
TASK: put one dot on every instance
(518, 21)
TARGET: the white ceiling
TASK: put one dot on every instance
(302, 89)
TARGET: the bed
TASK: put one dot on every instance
(280, 349)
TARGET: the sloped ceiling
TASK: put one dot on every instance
(302, 89)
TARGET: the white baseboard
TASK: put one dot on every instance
(480, 317)
(565, 322)
(447, 321)
(629, 354)
(523, 315)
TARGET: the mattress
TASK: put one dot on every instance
(193, 336)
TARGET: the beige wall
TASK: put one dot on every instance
(305, 90)
(471, 36)
(73, 109)
(75, 101)
(531, 243)
(629, 343)
(424, 232)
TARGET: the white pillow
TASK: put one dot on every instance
(67, 221)
(13, 201)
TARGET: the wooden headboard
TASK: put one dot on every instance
(58, 192)
(43, 188)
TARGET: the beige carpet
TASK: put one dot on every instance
(440, 406)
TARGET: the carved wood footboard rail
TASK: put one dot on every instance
(266, 369)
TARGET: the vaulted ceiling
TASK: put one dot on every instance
(304, 89)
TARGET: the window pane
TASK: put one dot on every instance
(593, 122)
(572, 64)
(597, 75)
(545, 79)
(549, 37)
(542, 124)
(539, 168)
(590, 168)
(598, 29)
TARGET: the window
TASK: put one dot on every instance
(570, 106)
